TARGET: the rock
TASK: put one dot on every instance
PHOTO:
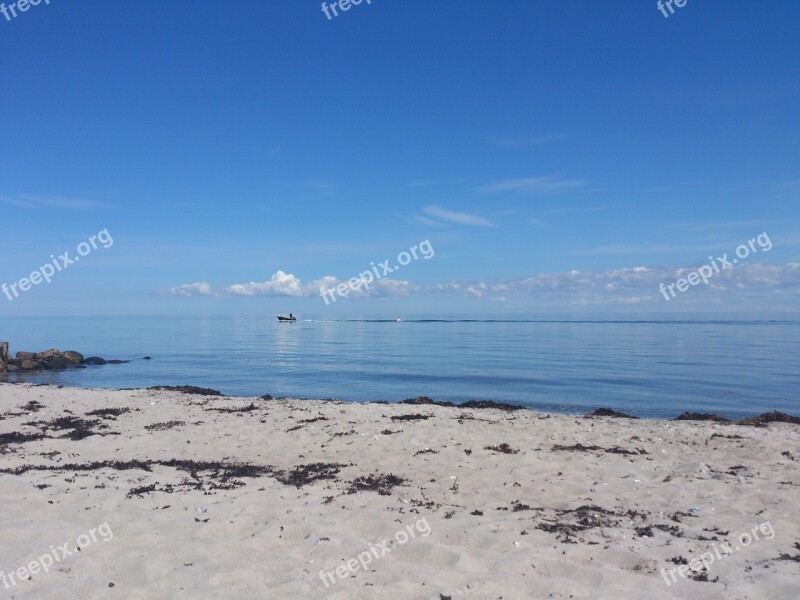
(771, 417)
(610, 412)
(94, 360)
(56, 364)
(11, 368)
(26, 355)
(426, 400)
(3, 352)
(52, 353)
(2, 366)
(147, 358)
(187, 389)
(116, 362)
(29, 365)
(482, 404)
(72, 357)
(690, 416)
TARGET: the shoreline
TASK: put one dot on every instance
(772, 416)
(283, 497)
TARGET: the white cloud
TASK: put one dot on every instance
(630, 285)
(30, 201)
(533, 185)
(281, 284)
(457, 218)
(191, 289)
(478, 290)
(423, 220)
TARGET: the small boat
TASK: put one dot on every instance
(289, 318)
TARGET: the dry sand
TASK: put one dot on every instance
(224, 504)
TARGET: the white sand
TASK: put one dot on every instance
(266, 539)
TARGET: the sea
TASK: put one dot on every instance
(646, 368)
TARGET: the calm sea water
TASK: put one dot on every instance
(647, 368)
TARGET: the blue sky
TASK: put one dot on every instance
(559, 156)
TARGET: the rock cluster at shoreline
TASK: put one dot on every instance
(49, 360)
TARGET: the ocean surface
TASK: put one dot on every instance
(646, 368)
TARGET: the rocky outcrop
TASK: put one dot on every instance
(95, 360)
(48, 354)
(72, 357)
(51, 360)
(57, 363)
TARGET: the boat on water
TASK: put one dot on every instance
(291, 317)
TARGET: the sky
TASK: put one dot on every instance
(556, 157)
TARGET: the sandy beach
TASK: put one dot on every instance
(170, 495)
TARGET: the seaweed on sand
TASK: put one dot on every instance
(383, 484)
(305, 474)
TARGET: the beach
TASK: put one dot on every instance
(173, 495)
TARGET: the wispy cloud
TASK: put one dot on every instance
(314, 189)
(457, 218)
(625, 250)
(190, 289)
(533, 185)
(423, 220)
(583, 209)
(721, 224)
(634, 285)
(699, 249)
(33, 202)
(530, 141)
